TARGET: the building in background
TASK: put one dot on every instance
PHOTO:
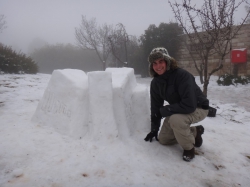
(239, 46)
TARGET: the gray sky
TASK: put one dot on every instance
(55, 20)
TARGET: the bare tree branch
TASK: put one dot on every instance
(91, 36)
(2, 23)
(119, 41)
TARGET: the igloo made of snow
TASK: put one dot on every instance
(101, 104)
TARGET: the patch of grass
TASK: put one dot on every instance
(227, 80)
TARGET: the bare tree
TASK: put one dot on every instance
(2, 23)
(119, 44)
(209, 30)
(92, 36)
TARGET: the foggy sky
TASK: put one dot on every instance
(54, 21)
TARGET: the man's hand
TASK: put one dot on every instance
(151, 135)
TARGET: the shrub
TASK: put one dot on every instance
(12, 62)
(227, 80)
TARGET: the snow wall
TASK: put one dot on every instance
(102, 104)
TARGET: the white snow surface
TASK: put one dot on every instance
(42, 153)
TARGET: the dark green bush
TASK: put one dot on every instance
(227, 80)
(12, 62)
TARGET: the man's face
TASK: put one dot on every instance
(160, 66)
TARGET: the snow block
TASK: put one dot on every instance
(141, 109)
(123, 82)
(64, 104)
(102, 125)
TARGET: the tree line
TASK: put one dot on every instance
(101, 46)
(63, 56)
(116, 48)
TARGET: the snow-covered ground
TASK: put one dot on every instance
(35, 155)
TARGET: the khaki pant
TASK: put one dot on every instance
(176, 129)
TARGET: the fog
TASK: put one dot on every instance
(49, 58)
(54, 21)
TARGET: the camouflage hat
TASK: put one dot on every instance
(157, 53)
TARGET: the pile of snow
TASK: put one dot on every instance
(43, 153)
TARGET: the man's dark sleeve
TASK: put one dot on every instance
(156, 103)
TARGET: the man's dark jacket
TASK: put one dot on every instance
(179, 89)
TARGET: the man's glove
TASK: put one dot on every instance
(151, 135)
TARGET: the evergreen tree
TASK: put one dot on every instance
(165, 35)
(12, 62)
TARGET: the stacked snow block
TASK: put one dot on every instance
(140, 109)
(64, 104)
(102, 105)
(123, 82)
(101, 114)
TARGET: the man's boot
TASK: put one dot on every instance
(198, 139)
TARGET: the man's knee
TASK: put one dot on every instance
(166, 138)
(161, 140)
(176, 121)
